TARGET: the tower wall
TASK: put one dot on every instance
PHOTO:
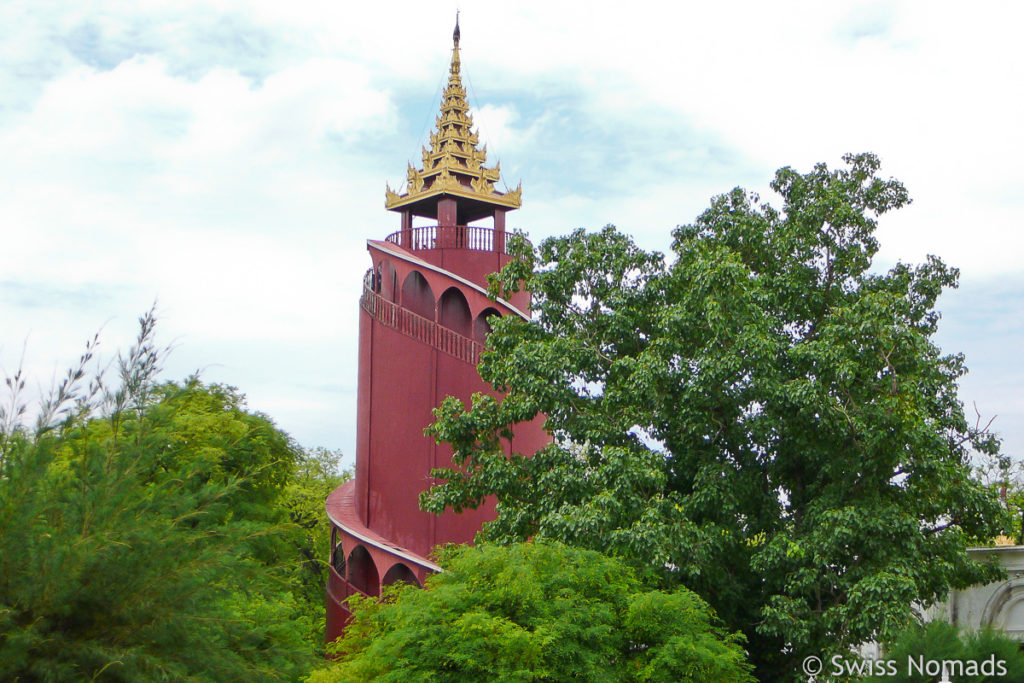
(421, 332)
(408, 379)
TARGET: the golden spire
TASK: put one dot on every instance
(454, 165)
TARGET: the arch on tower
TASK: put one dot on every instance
(338, 558)
(453, 312)
(362, 572)
(417, 296)
(387, 277)
(399, 573)
(481, 326)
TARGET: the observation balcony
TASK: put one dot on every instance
(362, 561)
(339, 588)
(416, 326)
(468, 237)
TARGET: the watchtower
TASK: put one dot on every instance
(422, 327)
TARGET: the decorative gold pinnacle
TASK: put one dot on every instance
(454, 165)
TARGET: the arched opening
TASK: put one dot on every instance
(388, 281)
(399, 573)
(362, 572)
(453, 312)
(1005, 608)
(338, 560)
(417, 295)
(482, 328)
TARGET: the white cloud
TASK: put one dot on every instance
(229, 157)
(224, 199)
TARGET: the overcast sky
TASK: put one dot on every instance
(228, 159)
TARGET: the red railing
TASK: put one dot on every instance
(450, 237)
(418, 327)
(339, 588)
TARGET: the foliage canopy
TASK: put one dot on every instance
(142, 535)
(762, 418)
(535, 612)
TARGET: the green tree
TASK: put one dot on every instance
(317, 473)
(127, 549)
(207, 429)
(535, 612)
(1005, 476)
(762, 418)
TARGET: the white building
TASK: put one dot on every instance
(998, 605)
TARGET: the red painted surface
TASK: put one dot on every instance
(421, 329)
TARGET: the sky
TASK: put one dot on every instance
(227, 160)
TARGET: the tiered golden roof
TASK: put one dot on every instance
(454, 165)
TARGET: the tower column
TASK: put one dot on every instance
(447, 211)
(499, 231)
(406, 240)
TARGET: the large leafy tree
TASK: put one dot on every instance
(317, 473)
(763, 417)
(535, 612)
(139, 538)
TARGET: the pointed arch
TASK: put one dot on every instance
(482, 328)
(399, 573)
(417, 295)
(453, 312)
(388, 280)
(338, 560)
(362, 571)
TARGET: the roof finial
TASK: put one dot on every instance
(454, 164)
(454, 69)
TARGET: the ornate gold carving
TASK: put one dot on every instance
(515, 196)
(391, 198)
(415, 180)
(482, 186)
(447, 181)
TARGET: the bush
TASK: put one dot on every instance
(938, 640)
(535, 612)
(127, 551)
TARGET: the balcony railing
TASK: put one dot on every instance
(339, 588)
(418, 327)
(450, 237)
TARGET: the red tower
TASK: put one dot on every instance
(422, 326)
